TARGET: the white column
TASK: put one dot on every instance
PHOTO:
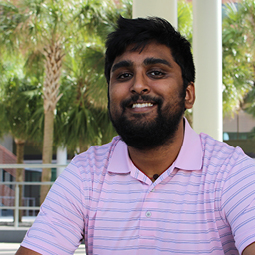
(166, 9)
(207, 48)
(61, 159)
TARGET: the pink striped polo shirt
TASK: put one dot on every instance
(203, 204)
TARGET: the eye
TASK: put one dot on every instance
(156, 74)
(124, 76)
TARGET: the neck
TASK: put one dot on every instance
(157, 160)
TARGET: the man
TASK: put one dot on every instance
(159, 188)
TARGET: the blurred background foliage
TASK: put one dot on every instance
(81, 117)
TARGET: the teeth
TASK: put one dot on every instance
(142, 105)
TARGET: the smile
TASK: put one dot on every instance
(142, 105)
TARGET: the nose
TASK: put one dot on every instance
(140, 85)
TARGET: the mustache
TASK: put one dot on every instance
(145, 98)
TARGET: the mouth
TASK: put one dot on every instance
(141, 105)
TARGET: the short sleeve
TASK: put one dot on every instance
(238, 202)
(59, 226)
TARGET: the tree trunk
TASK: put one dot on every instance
(53, 55)
(20, 171)
(83, 147)
(47, 152)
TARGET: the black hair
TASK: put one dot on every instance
(140, 32)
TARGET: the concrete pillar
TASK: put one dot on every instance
(61, 159)
(166, 9)
(207, 48)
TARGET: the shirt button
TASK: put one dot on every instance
(148, 214)
(152, 190)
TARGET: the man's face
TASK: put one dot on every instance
(146, 96)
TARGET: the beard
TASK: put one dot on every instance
(147, 134)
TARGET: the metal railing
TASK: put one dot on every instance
(28, 201)
(16, 206)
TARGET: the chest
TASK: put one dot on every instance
(177, 212)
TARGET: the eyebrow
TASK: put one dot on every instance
(124, 63)
(147, 61)
(153, 61)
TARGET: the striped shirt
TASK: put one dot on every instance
(203, 204)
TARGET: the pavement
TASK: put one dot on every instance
(11, 248)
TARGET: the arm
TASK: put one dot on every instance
(25, 251)
(249, 250)
(238, 205)
(59, 225)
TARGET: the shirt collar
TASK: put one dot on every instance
(189, 157)
(191, 154)
(120, 161)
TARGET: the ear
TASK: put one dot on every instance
(190, 96)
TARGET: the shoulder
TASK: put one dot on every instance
(93, 161)
(234, 180)
(86, 169)
(219, 152)
(96, 154)
(210, 145)
(229, 164)
(226, 164)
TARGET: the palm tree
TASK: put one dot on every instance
(17, 108)
(84, 120)
(49, 28)
(82, 116)
(237, 57)
(246, 12)
(36, 30)
(185, 19)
